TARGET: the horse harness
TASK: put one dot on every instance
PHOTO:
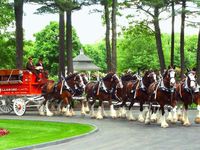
(187, 89)
(65, 86)
(102, 87)
(162, 87)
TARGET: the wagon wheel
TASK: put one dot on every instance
(19, 106)
(6, 104)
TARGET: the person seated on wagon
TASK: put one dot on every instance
(31, 67)
(39, 65)
(40, 68)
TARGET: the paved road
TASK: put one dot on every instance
(120, 134)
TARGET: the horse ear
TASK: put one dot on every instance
(188, 70)
(174, 67)
(194, 69)
(169, 67)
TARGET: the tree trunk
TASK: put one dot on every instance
(198, 58)
(61, 44)
(172, 34)
(69, 43)
(18, 8)
(114, 36)
(159, 40)
(182, 38)
(108, 48)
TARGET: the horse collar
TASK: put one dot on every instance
(186, 84)
(102, 86)
(142, 86)
(197, 89)
(164, 88)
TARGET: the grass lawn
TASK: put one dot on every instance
(24, 133)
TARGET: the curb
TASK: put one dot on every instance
(58, 141)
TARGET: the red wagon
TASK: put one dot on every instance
(19, 90)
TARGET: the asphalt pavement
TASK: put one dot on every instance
(120, 134)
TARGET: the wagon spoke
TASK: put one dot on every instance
(6, 104)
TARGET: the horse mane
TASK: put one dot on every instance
(71, 76)
(128, 77)
(147, 73)
(108, 76)
(165, 73)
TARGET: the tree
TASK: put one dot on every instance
(172, 33)
(7, 40)
(6, 15)
(106, 4)
(182, 38)
(69, 6)
(70, 68)
(18, 7)
(137, 49)
(61, 44)
(153, 8)
(114, 37)
(7, 46)
(198, 58)
(198, 48)
(47, 45)
(97, 52)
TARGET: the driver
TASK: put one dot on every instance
(31, 67)
(40, 68)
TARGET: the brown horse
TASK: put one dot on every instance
(162, 93)
(63, 92)
(141, 92)
(127, 80)
(125, 94)
(135, 90)
(103, 90)
(185, 91)
(197, 102)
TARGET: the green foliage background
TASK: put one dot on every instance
(136, 49)
(46, 46)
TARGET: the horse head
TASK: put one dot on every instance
(128, 77)
(111, 80)
(191, 80)
(169, 77)
(85, 78)
(149, 77)
(75, 80)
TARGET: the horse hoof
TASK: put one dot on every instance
(114, 117)
(187, 124)
(153, 120)
(92, 117)
(174, 121)
(41, 113)
(147, 122)
(99, 118)
(141, 120)
(87, 112)
(83, 114)
(165, 126)
(197, 120)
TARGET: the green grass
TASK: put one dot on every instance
(24, 133)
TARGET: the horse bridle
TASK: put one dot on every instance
(189, 77)
(81, 84)
(119, 81)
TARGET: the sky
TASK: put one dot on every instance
(88, 25)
